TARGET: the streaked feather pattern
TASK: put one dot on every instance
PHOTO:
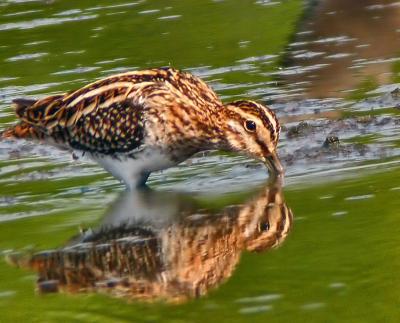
(107, 116)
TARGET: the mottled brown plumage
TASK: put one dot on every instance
(157, 117)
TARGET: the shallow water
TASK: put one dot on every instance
(191, 242)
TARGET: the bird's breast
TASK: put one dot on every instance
(131, 168)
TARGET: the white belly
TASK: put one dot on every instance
(134, 171)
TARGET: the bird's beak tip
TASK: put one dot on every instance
(274, 165)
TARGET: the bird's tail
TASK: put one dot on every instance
(22, 129)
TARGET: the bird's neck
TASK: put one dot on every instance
(216, 131)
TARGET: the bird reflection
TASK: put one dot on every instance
(164, 246)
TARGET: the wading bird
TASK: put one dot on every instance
(142, 121)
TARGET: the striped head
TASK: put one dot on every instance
(253, 129)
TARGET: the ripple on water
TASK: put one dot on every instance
(121, 5)
(116, 70)
(296, 70)
(207, 71)
(261, 298)
(6, 79)
(336, 40)
(69, 12)
(339, 213)
(337, 285)
(148, 12)
(78, 70)
(111, 61)
(339, 55)
(9, 200)
(383, 6)
(308, 54)
(23, 57)
(43, 22)
(262, 58)
(75, 52)
(359, 197)
(12, 92)
(7, 293)
(171, 17)
(312, 306)
(34, 43)
(255, 309)
(114, 13)
(267, 2)
(22, 13)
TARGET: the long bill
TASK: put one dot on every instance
(273, 164)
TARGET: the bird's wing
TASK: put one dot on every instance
(106, 119)
(107, 115)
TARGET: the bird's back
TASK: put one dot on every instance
(106, 116)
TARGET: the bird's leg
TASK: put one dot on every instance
(139, 182)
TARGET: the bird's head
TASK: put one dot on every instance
(253, 129)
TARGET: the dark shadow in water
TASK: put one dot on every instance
(343, 44)
(163, 246)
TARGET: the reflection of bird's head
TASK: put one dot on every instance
(269, 220)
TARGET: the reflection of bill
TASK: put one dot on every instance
(161, 246)
(344, 44)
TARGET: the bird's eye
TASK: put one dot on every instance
(250, 125)
(263, 226)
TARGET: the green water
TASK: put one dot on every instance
(338, 263)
